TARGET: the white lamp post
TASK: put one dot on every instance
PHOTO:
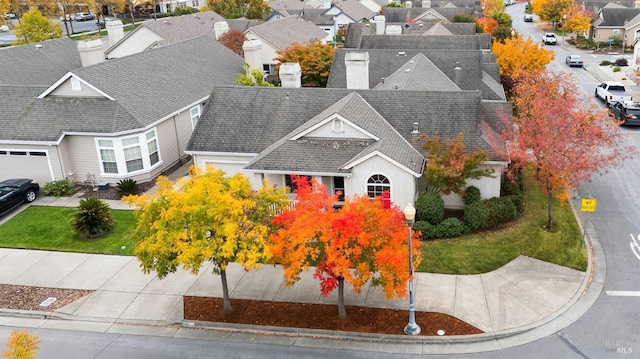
(412, 328)
(564, 19)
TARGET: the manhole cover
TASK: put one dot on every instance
(47, 302)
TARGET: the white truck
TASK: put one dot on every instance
(549, 38)
(611, 92)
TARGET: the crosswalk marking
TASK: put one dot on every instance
(623, 293)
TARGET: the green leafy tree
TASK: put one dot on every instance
(449, 164)
(502, 18)
(34, 27)
(464, 18)
(233, 9)
(207, 216)
(253, 77)
(315, 61)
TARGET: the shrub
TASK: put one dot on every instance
(127, 187)
(450, 227)
(616, 69)
(471, 195)
(430, 208)
(183, 10)
(426, 228)
(509, 187)
(497, 211)
(517, 200)
(622, 62)
(93, 218)
(473, 217)
(606, 63)
(59, 188)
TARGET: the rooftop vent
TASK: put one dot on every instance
(402, 53)
(395, 86)
(420, 25)
(38, 46)
(415, 128)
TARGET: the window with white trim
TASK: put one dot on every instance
(195, 116)
(152, 147)
(132, 154)
(377, 184)
(121, 156)
(337, 125)
(108, 156)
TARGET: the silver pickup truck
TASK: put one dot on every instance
(611, 92)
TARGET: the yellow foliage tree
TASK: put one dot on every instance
(577, 18)
(517, 56)
(205, 217)
(22, 345)
(491, 6)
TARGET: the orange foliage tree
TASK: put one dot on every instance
(578, 18)
(362, 241)
(233, 40)
(554, 135)
(22, 345)
(315, 61)
(449, 164)
(487, 24)
(517, 57)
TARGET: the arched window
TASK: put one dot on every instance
(376, 185)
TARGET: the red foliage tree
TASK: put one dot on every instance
(233, 40)
(556, 136)
(362, 241)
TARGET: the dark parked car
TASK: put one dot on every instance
(627, 112)
(14, 192)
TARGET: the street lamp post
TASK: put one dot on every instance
(335, 33)
(564, 18)
(412, 328)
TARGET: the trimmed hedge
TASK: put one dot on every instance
(471, 195)
(450, 227)
(430, 208)
(474, 217)
(497, 211)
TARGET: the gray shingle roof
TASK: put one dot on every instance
(250, 119)
(357, 31)
(180, 28)
(416, 13)
(418, 73)
(284, 32)
(616, 15)
(383, 62)
(452, 42)
(355, 9)
(316, 16)
(38, 64)
(154, 84)
(326, 155)
(13, 102)
(287, 5)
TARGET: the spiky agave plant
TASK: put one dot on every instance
(92, 219)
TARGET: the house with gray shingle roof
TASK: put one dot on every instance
(164, 31)
(354, 141)
(616, 21)
(277, 35)
(130, 117)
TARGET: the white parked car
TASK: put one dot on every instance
(4, 28)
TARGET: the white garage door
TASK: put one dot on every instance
(25, 164)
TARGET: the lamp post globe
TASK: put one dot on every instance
(412, 328)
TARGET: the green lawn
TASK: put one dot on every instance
(48, 228)
(481, 253)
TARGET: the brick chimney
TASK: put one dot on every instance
(357, 66)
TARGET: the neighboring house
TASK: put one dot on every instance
(284, 8)
(163, 31)
(353, 141)
(615, 21)
(413, 14)
(165, 6)
(328, 22)
(428, 70)
(280, 34)
(109, 120)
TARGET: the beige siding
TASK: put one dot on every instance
(65, 89)
(82, 157)
(135, 43)
(184, 130)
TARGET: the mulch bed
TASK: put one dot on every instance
(22, 297)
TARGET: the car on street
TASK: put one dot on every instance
(549, 38)
(14, 192)
(4, 28)
(528, 18)
(83, 16)
(10, 15)
(574, 61)
(626, 113)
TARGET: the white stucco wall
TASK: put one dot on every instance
(402, 183)
(135, 43)
(489, 186)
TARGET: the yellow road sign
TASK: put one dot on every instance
(588, 205)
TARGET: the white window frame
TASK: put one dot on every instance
(106, 145)
(337, 125)
(139, 158)
(376, 183)
(120, 144)
(152, 140)
(75, 84)
(194, 112)
(616, 32)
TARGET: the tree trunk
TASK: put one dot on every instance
(549, 214)
(133, 19)
(226, 307)
(342, 311)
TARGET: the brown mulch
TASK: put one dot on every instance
(321, 316)
(29, 298)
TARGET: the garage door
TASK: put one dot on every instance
(25, 164)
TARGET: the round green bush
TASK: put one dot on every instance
(427, 229)
(498, 211)
(473, 217)
(518, 201)
(450, 227)
(430, 208)
(471, 195)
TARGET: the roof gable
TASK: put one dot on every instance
(335, 126)
(419, 73)
(284, 32)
